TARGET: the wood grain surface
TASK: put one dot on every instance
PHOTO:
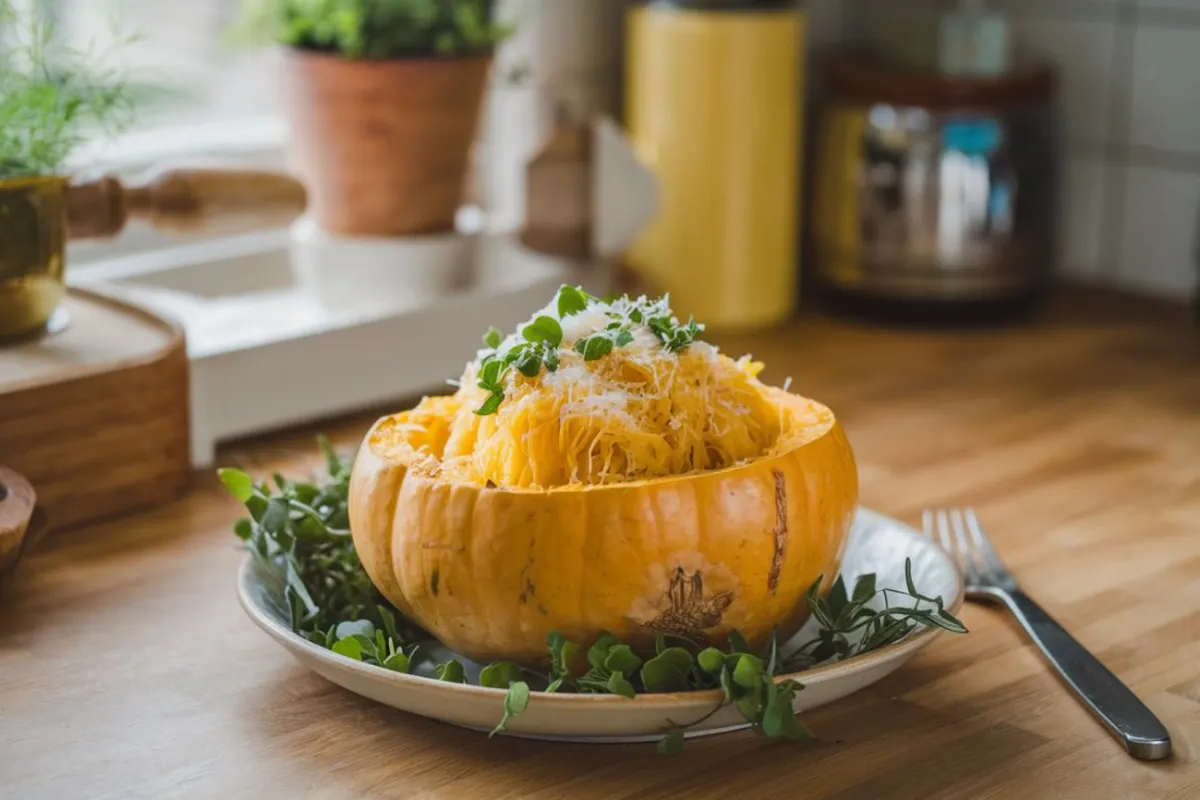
(127, 669)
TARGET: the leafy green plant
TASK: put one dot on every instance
(373, 29)
(53, 98)
(303, 530)
(299, 533)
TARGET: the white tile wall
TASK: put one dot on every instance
(1165, 112)
(1084, 181)
(1131, 108)
(1083, 49)
(1160, 224)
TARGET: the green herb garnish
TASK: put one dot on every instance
(844, 615)
(516, 700)
(543, 330)
(301, 531)
(298, 533)
(540, 349)
(600, 344)
(571, 300)
(451, 672)
(674, 336)
(543, 336)
(594, 348)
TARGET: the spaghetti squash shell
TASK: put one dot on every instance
(490, 572)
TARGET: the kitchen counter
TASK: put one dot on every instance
(127, 669)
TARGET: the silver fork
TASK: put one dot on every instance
(1123, 714)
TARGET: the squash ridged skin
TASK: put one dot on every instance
(490, 572)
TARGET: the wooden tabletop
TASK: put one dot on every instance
(127, 669)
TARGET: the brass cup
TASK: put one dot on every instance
(33, 234)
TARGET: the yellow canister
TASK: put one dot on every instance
(714, 107)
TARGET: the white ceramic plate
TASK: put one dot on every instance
(877, 544)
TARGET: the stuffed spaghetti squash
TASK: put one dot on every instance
(603, 469)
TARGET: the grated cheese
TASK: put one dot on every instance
(639, 412)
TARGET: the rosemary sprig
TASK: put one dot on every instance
(298, 533)
(853, 624)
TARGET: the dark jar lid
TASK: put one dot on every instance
(868, 78)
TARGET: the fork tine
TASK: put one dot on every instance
(979, 538)
(969, 556)
(943, 531)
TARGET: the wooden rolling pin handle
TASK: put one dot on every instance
(96, 210)
(186, 201)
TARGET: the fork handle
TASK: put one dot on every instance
(1125, 716)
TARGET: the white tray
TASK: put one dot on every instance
(273, 346)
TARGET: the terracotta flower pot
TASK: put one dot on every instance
(383, 146)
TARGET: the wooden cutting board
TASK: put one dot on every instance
(96, 415)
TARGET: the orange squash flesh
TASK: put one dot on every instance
(491, 571)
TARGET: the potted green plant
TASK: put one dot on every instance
(52, 100)
(383, 99)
